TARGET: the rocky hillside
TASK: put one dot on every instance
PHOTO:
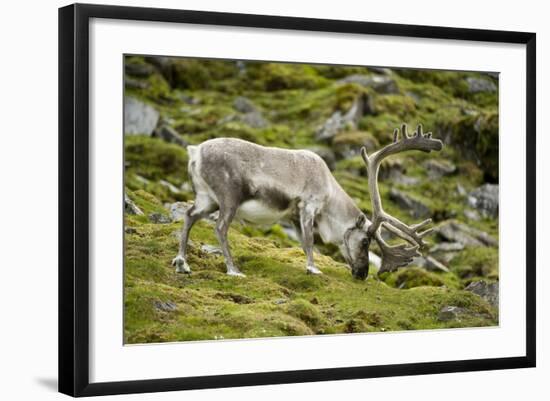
(170, 103)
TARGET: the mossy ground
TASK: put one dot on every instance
(277, 298)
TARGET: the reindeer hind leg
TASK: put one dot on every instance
(203, 206)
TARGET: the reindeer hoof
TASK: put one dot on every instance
(181, 265)
(235, 273)
(313, 270)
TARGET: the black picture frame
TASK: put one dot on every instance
(74, 198)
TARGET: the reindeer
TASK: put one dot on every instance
(265, 185)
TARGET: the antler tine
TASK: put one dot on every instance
(404, 130)
(396, 134)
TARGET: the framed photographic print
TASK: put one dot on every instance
(249, 199)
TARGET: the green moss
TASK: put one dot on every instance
(155, 159)
(411, 277)
(279, 76)
(476, 262)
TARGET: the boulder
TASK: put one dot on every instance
(167, 306)
(471, 215)
(429, 263)
(448, 313)
(487, 291)
(131, 83)
(439, 168)
(348, 144)
(390, 168)
(244, 105)
(380, 83)
(454, 231)
(415, 208)
(171, 187)
(381, 70)
(170, 135)
(189, 99)
(446, 251)
(334, 124)
(254, 119)
(476, 85)
(447, 247)
(397, 177)
(130, 207)
(433, 264)
(139, 117)
(485, 200)
(338, 121)
(159, 218)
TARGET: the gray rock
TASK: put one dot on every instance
(448, 313)
(397, 177)
(331, 127)
(280, 301)
(429, 263)
(140, 70)
(446, 251)
(189, 99)
(337, 122)
(494, 75)
(476, 85)
(168, 306)
(170, 135)
(461, 190)
(130, 207)
(471, 215)
(381, 70)
(326, 154)
(135, 83)
(485, 200)
(159, 218)
(439, 168)
(139, 117)
(391, 168)
(177, 210)
(433, 264)
(487, 291)
(415, 208)
(171, 187)
(141, 179)
(244, 105)
(447, 247)
(380, 83)
(211, 249)
(454, 231)
(255, 119)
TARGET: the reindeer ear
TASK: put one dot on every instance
(361, 220)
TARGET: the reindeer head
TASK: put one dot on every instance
(356, 248)
(402, 254)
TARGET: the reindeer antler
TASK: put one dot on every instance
(399, 255)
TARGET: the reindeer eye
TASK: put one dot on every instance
(365, 242)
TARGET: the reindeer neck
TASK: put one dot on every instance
(339, 215)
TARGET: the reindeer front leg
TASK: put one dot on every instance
(307, 219)
(227, 212)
